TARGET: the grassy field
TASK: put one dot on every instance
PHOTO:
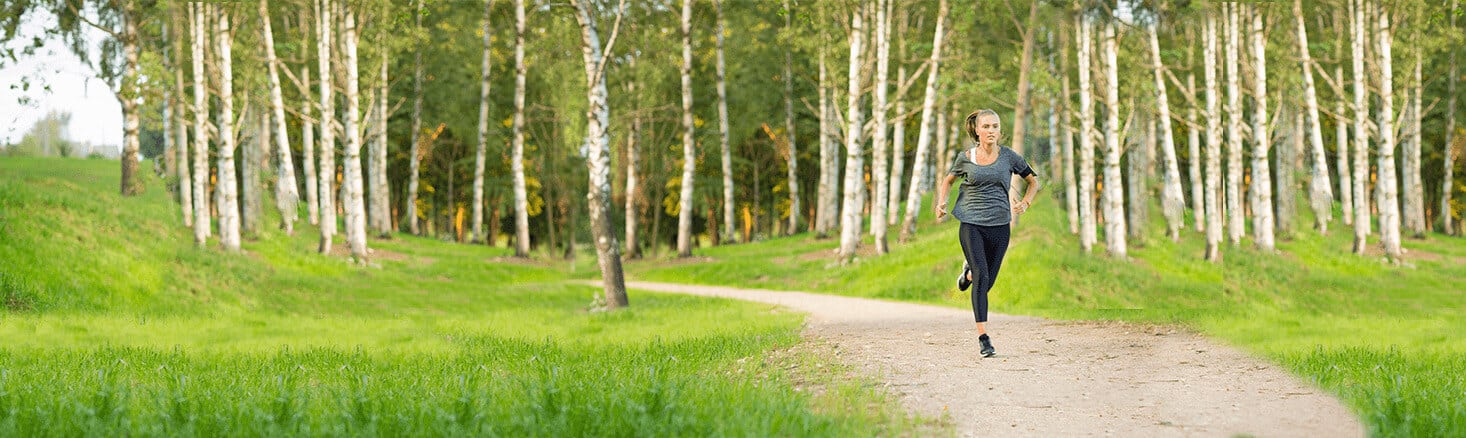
(1387, 339)
(113, 323)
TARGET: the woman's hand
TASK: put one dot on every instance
(941, 208)
(1020, 207)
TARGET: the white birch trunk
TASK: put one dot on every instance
(180, 130)
(518, 160)
(1361, 133)
(1320, 194)
(1262, 209)
(898, 154)
(684, 208)
(286, 197)
(1285, 191)
(879, 166)
(598, 119)
(1172, 203)
(1071, 189)
(355, 208)
(228, 190)
(1341, 145)
(1389, 209)
(1137, 215)
(1088, 232)
(829, 171)
(1114, 198)
(1414, 204)
(477, 224)
(793, 160)
(850, 220)
(201, 225)
(521, 196)
(1449, 160)
(414, 160)
(1213, 144)
(723, 129)
(380, 215)
(307, 138)
(327, 162)
(633, 159)
(924, 136)
(128, 97)
(1234, 209)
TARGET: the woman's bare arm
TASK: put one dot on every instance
(942, 189)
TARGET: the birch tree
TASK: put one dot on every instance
(898, 128)
(201, 224)
(1341, 146)
(1447, 152)
(355, 210)
(286, 196)
(328, 125)
(1172, 203)
(1087, 223)
(1262, 192)
(521, 197)
(307, 128)
(854, 153)
(1320, 195)
(1213, 143)
(180, 127)
(723, 128)
(598, 119)
(1235, 216)
(414, 158)
(1071, 191)
(228, 195)
(633, 159)
(924, 136)
(793, 155)
(1361, 133)
(878, 141)
(380, 216)
(483, 129)
(1414, 204)
(1114, 198)
(1389, 209)
(684, 208)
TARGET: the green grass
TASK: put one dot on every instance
(115, 324)
(1386, 338)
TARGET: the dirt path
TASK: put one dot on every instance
(1055, 378)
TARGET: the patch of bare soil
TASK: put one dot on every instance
(1057, 378)
(343, 251)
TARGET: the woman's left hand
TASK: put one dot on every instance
(1020, 207)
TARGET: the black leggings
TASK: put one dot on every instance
(984, 248)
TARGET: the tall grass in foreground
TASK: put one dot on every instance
(1386, 338)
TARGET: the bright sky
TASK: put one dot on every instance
(96, 117)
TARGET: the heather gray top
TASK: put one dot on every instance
(982, 198)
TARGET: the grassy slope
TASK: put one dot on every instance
(114, 323)
(1387, 338)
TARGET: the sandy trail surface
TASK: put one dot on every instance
(1053, 378)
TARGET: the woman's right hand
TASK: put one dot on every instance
(941, 208)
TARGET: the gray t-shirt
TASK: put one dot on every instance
(982, 198)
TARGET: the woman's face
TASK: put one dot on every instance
(988, 129)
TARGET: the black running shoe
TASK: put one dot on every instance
(962, 281)
(987, 346)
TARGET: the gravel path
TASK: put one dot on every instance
(1054, 378)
